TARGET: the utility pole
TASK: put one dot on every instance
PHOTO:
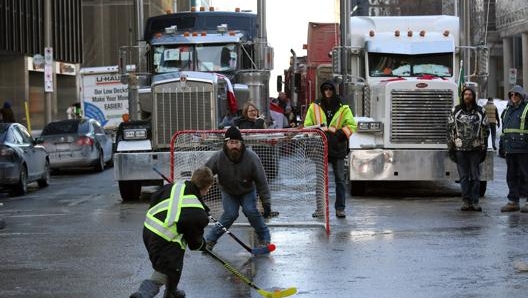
(48, 67)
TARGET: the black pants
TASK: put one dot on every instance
(516, 174)
(493, 130)
(166, 257)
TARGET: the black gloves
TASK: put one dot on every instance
(341, 136)
(267, 210)
(502, 153)
(483, 154)
(452, 155)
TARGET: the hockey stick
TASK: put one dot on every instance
(276, 293)
(256, 251)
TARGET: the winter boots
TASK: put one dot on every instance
(510, 207)
(174, 294)
(147, 289)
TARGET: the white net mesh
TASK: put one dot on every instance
(294, 161)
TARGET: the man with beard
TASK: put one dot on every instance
(240, 176)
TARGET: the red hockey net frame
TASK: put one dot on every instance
(295, 162)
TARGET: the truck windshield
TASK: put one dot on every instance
(203, 57)
(397, 65)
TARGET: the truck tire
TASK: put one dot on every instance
(357, 188)
(130, 190)
(483, 186)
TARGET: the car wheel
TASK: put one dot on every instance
(22, 185)
(130, 190)
(110, 163)
(99, 167)
(44, 180)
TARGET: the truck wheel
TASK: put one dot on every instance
(482, 190)
(357, 188)
(130, 190)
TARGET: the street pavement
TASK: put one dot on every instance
(400, 240)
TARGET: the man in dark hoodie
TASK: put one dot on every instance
(338, 123)
(240, 177)
(176, 219)
(467, 143)
(513, 146)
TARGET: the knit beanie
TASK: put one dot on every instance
(233, 134)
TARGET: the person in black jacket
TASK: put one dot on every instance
(513, 146)
(467, 142)
(176, 219)
(250, 118)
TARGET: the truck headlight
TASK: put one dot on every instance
(135, 134)
(375, 126)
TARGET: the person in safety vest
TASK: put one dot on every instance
(240, 177)
(513, 146)
(338, 123)
(176, 219)
(467, 142)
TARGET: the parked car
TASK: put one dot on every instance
(22, 160)
(77, 143)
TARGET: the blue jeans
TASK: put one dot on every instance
(338, 165)
(231, 205)
(469, 174)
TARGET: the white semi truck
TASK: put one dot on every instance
(404, 74)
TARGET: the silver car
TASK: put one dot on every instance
(77, 143)
(22, 161)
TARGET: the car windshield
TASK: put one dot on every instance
(66, 127)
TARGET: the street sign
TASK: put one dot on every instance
(48, 69)
(513, 76)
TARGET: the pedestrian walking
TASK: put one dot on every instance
(467, 139)
(513, 146)
(338, 123)
(176, 219)
(240, 177)
(494, 120)
(8, 116)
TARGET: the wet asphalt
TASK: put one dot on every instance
(77, 239)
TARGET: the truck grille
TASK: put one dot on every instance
(182, 110)
(420, 117)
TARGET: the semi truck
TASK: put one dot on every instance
(404, 74)
(193, 71)
(306, 73)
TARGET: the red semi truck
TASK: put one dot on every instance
(303, 77)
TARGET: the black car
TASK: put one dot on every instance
(22, 161)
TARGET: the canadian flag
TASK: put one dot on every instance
(231, 98)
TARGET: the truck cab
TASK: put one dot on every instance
(195, 69)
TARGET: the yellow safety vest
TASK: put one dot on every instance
(342, 119)
(522, 129)
(167, 228)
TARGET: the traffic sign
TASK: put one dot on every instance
(513, 76)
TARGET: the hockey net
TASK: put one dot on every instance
(294, 160)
